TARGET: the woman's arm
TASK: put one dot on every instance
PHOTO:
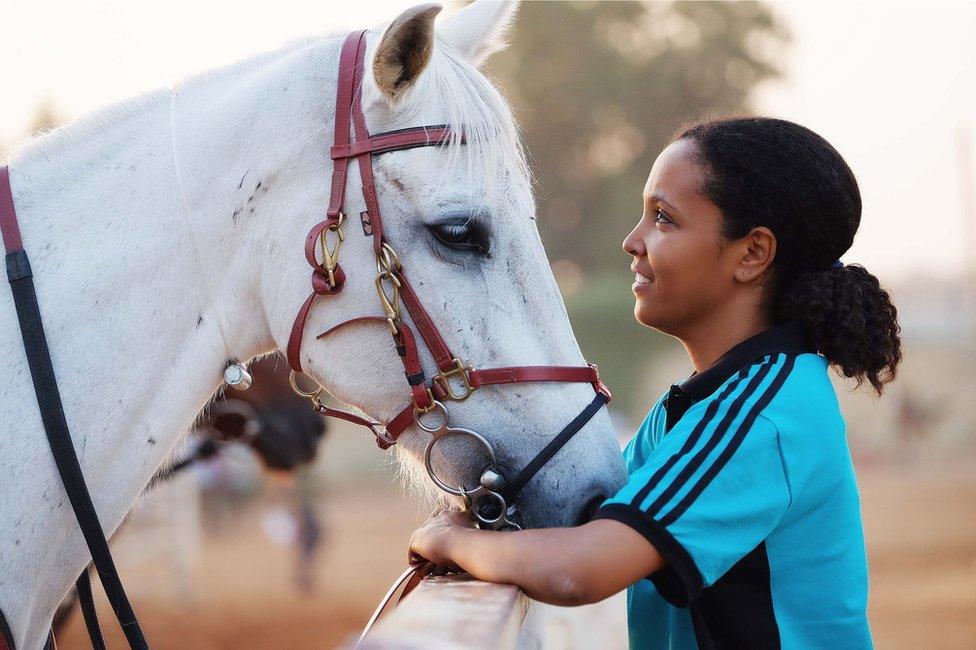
(560, 566)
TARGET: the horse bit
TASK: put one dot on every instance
(491, 503)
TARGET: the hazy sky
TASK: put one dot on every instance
(890, 85)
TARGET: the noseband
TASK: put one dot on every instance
(491, 502)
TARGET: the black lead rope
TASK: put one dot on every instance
(56, 427)
(512, 488)
(88, 612)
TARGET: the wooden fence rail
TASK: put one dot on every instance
(454, 611)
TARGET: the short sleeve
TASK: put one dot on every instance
(709, 493)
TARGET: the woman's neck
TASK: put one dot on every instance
(709, 338)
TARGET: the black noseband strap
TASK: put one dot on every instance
(512, 489)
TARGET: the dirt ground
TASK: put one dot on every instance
(920, 526)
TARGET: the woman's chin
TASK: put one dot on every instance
(644, 315)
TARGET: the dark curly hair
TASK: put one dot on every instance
(774, 173)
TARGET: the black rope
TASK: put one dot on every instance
(512, 488)
(56, 427)
(88, 612)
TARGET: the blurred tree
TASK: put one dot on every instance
(599, 88)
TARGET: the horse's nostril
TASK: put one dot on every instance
(586, 514)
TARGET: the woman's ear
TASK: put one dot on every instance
(755, 253)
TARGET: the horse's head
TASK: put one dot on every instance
(461, 217)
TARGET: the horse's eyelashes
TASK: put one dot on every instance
(461, 234)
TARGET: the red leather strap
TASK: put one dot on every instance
(349, 109)
(8, 216)
(411, 366)
(295, 338)
(421, 136)
(348, 416)
(589, 374)
(344, 95)
(360, 320)
(400, 423)
(320, 275)
(406, 344)
(425, 325)
(365, 160)
(320, 287)
(516, 374)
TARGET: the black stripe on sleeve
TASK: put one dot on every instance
(692, 440)
(679, 582)
(733, 445)
(699, 458)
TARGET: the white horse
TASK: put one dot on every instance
(165, 235)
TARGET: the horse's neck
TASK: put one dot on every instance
(130, 316)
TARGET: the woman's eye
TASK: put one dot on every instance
(661, 217)
(461, 235)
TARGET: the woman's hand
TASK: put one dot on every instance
(561, 566)
(433, 540)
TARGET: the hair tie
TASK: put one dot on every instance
(837, 265)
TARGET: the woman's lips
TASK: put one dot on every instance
(641, 282)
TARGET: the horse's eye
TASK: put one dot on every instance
(461, 234)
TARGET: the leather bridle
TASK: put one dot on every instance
(488, 502)
(455, 379)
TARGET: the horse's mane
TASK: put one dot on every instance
(61, 141)
(469, 100)
(472, 103)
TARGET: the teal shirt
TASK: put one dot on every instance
(742, 479)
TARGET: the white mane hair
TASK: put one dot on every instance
(62, 143)
(471, 104)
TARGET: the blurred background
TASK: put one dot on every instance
(229, 554)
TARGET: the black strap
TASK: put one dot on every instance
(511, 489)
(56, 427)
(88, 612)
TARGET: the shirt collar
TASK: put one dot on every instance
(787, 337)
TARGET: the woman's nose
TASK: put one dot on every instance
(633, 244)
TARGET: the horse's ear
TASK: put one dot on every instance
(478, 30)
(405, 48)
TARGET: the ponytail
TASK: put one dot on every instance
(850, 320)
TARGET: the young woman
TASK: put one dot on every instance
(740, 524)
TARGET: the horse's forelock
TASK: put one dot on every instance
(472, 104)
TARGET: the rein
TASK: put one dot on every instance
(56, 426)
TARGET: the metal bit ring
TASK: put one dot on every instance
(444, 430)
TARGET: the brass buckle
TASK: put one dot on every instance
(330, 258)
(391, 305)
(459, 370)
(311, 395)
(418, 410)
(387, 260)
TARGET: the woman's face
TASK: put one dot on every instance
(682, 275)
